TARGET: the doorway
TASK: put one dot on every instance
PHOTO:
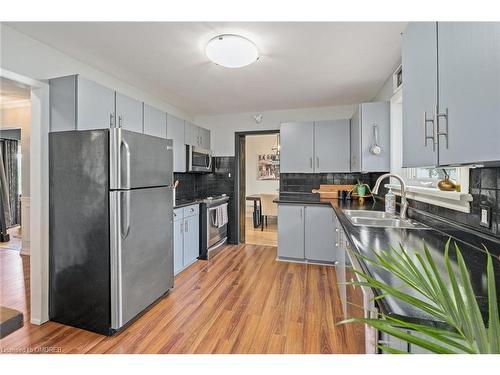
(258, 180)
(15, 119)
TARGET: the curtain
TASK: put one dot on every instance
(9, 181)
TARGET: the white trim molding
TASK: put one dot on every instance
(25, 225)
(448, 199)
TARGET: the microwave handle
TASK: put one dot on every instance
(210, 161)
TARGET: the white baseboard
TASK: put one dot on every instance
(25, 225)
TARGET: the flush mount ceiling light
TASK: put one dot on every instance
(232, 51)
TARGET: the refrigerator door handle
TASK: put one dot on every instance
(125, 145)
(125, 213)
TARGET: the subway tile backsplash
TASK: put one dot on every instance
(305, 182)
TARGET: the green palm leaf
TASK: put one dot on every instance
(448, 297)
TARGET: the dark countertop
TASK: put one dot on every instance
(184, 203)
(364, 240)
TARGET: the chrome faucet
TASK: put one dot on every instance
(404, 202)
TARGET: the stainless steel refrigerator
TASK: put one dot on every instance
(110, 226)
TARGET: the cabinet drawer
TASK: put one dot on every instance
(178, 214)
(191, 210)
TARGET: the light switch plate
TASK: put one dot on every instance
(485, 216)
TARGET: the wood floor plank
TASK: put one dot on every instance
(241, 301)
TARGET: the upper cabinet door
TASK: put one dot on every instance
(191, 134)
(356, 141)
(175, 132)
(95, 105)
(419, 93)
(204, 138)
(155, 121)
(331, 141)
(128, 113)
(469, 89)
(297, 147)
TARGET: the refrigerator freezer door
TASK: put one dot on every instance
(139, 160)
(142, 268)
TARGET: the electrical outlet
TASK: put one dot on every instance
(485, 216)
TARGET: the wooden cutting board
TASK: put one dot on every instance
(327, 191)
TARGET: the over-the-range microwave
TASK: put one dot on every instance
(198, 159)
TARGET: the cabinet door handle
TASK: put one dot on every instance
(111, 120)
(426, 136)
(300, 214)
(311, 162)
(182, 227)
(120, 121)
(437, 132)
(186, 228)
(317, 161)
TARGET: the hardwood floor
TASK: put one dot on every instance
(15, 242)
(241, 301)
(256, 236)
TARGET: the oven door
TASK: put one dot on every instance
(199, 159)
(214, 233)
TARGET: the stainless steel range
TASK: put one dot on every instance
(214, 223)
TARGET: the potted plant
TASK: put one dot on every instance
(449, 298)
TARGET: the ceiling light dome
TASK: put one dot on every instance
(232, 51)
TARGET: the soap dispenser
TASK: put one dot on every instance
(390, 202)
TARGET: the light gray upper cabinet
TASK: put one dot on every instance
(419, 93)
(128, 113)
(155, 121)
(331, 146)
(371, 121)
(175, 132)
(469, 92)
(297, 147)
(77, 103)
(291, 231)
(451, 73)
(197, 136)
(320, 239)
(204, 135)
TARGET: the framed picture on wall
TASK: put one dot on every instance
(268, 167)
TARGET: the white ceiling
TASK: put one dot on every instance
(301, 65)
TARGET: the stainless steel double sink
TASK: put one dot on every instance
(381, 219)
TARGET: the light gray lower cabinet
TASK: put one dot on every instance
(331, 144)
(175, 132)
(291, 231)
(128, 113)
(155, 121)
(297, 147)
(186, 237)
(419, 93)
(371, 121)
(307, 233)
(320, 241)
(178, 241)
(469, 92)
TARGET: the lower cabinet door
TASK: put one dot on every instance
(320, 244)
(178, 246)
(291, 231)
(191, 240)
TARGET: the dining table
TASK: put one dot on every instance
(257, 217)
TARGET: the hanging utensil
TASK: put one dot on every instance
(375, 149)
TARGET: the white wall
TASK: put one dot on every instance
(24, 55)
(223, 127)
(20, 117)
(257, 145)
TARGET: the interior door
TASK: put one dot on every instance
(419, 93)
(138, 160)
(469, 88)
(141, 251)
(332, 146)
